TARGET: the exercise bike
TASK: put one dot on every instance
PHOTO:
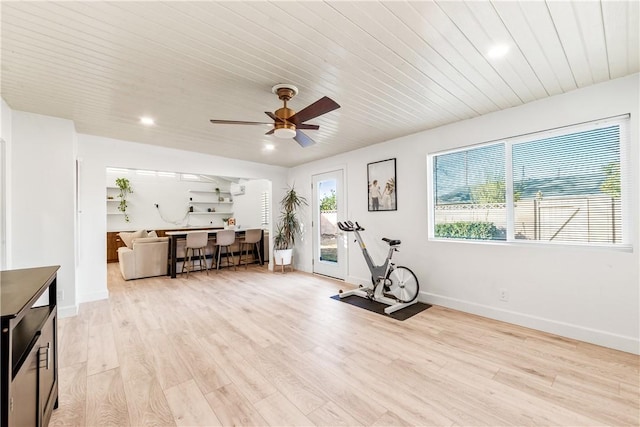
(395, 286)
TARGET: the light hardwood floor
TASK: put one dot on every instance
(262, 348)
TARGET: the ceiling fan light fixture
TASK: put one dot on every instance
(284, 133)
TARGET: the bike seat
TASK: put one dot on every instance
(391, 242)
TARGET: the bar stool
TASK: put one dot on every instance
(196, 241)
(250, 241)
(224, 239)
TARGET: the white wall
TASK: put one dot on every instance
(585, 293)
(97, 153)
(5, 185)
(248, 206)
(42, 202)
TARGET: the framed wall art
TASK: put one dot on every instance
(381, 178)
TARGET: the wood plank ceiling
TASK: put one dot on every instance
(395, 67)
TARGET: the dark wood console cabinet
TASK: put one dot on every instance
(113, 243)
(29, 376)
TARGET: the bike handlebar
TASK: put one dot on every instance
(349, 226)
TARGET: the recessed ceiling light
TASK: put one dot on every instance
(269, 147)
(498, 51)
(147, 121)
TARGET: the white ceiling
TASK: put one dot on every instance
(396, 68)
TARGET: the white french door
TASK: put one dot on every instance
(329, 254)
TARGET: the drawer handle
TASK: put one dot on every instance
(47, 356)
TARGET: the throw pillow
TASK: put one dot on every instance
(152, 233)
(128, 237)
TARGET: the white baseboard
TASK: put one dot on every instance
(568, 330)
(67, 311)
(581, 333)
(94, 296)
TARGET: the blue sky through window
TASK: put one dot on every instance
(568, 164)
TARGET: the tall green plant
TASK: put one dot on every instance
(289, 225)
(125, 189)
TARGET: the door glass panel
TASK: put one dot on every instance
(328, 220)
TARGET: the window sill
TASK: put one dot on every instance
(536, 244)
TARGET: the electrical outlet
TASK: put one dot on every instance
(504, 294)
(60, 295)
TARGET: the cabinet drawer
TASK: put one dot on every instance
(47, 361)
(23, 409)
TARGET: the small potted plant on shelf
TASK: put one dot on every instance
(125, 189)
(287, 228)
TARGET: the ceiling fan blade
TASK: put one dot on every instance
(303, 139)
(236, 122)
(306, 126)
(318, 108)
(273, 116)
(271, 132)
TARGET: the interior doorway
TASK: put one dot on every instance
(329, 254)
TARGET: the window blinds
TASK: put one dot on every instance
(264, 208)
(567, 185)
(470, 194)
(567, 188)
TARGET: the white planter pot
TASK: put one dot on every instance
(283, 256)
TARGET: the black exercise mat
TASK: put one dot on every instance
(378, 307)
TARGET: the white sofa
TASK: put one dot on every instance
(147, 257)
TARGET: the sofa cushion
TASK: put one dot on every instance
(127, 238)
(148, 240)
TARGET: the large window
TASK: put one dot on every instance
(470, 193)
(562, 186)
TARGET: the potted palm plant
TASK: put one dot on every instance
(288, 227)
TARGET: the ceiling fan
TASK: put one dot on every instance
(286, 122)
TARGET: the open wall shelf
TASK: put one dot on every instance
(209, 203)
(210, 213)
(209, 191)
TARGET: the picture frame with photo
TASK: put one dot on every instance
(382, 190)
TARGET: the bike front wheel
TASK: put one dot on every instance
(403, 284)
